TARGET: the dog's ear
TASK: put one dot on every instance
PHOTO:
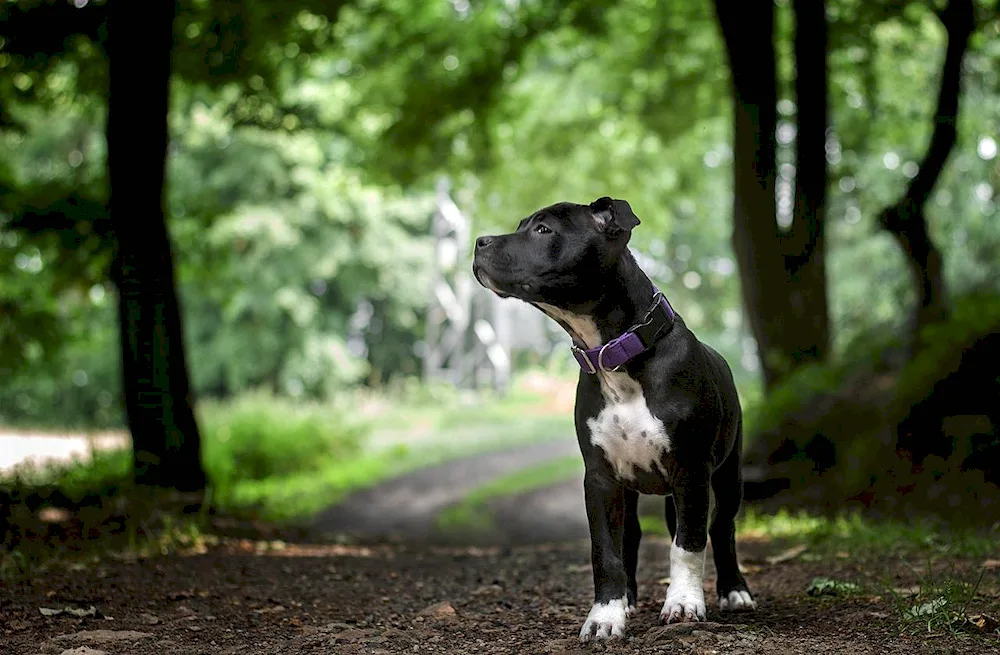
(614, 217)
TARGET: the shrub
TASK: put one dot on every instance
(259, 436)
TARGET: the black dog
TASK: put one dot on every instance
(656, 410)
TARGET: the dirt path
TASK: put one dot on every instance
(406, 507)
(392, 600)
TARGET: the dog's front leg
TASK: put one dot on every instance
(686, 595)
(606, 514)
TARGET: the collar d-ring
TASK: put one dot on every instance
(600, 358)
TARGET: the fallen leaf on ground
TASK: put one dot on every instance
(991, 564)
(985, 622)
(789, 554)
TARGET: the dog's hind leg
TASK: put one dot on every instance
(670, 514)
(727, 484)
(630, 545)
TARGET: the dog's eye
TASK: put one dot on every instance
(541, 229)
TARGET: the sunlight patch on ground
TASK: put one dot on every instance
(35, 450)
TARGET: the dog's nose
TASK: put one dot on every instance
(483, 242)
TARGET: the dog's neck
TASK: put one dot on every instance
(624, 300)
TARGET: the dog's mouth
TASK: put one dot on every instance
(488, 282)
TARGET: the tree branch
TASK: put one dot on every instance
(72, 213)
(905, 219)
(958, 20)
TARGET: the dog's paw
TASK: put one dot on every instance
(683, 606)
(605, 621)
(737, 600)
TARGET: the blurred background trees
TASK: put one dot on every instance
(778, 159)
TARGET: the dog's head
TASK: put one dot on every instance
(560, 255)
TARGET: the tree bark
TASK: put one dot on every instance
(782, 275)
(158, 399)
(805, 247)
(906, 219)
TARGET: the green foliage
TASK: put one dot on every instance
(878, 351)
(865, 538)
(258, 437)
(303, 258)
(73, 384)
(941, 602)
(942, 345)
(326, 450)
(826, 587)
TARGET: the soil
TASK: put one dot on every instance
(241, 598)
(524, 587)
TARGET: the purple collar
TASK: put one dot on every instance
(635, 341)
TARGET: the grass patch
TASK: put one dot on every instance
(653, 524)
(282, 460)
(473, 514)
(864, 538)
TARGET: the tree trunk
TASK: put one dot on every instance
(782, 275)
(805, 247)
(905, 219)
(166, 443)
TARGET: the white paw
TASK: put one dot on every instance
(630, 610)
(605, 621)
(737, 601)
(683, 606)
(685, 595)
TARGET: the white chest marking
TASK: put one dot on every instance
(628, 433)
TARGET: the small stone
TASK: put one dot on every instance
(83, 650)
(442, 611)
(149, 619)
(350, 635)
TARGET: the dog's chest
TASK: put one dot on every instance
(628, 433)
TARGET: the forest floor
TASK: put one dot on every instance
(522, 586)
(244, 597)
